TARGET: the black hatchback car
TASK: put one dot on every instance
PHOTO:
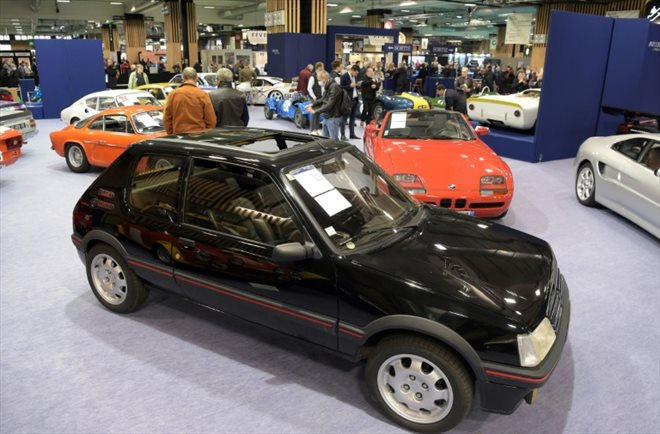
(310, 238)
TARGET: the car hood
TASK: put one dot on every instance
(462, 259)
(440, 163)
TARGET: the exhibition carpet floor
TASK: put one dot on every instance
(69, 365)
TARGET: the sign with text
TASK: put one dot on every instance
(377, 40)
(256, 37)
(518, 29)
(397, 48)
(623, 14)
(442, 49)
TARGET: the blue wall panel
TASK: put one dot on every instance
(288, 53)
(573, 81)
(68, 70)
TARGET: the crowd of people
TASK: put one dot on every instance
(336, 94)
(10, 73)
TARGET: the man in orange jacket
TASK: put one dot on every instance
(189, 108)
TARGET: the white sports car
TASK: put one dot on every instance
(262, 88)
(517, 111)
(98, 101)
(622, 173)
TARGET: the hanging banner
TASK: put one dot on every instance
(397, 48)
(623, 14)
(518, 29)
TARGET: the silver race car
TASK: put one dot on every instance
(622, 173)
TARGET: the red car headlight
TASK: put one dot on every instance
(490, 185)
(411, 182)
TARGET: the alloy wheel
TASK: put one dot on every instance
(108, 279)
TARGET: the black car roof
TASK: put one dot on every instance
(232, 142)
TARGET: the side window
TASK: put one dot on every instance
(631, 148)
(118, 124)
(652, 157)
(106, 103)
(238, 201)
(177, 79)
(97, 124)
(155, 186)
(91, 103)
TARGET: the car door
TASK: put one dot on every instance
(232, 219)
(619, 171)
(151, 201)
(92, 138)
(643, 186)
(116, 137)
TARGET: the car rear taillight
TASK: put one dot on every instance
(471, 106)
(517, 113)
(14, 142)
(33, 123)
(6, 97)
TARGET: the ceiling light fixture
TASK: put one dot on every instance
(470, 5)
(413, 21)
(346, 10)
(133, 8)
(408, 3)
(209, 7)
(64, 1)
(116, 3)
(332, 5)
(355, 16)
(428, 34)
(405, 10)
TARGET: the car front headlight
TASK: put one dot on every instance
(492, 185)
(411, 182)
(533, 347)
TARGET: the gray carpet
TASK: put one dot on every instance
(69, 365)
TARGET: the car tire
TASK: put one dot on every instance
(73, 121)
(276, 95)
(406, 372)
(76, 158)
(268, 112)
(585, 185)
(300, 119)
(378, 111)
(113, 283)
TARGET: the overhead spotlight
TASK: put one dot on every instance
(346, 10)
(408, 3)
(133, 8)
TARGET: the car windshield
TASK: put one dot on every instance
(427, 124)
(148, 122)
(143, 98)
(351, 200)
(211, 79)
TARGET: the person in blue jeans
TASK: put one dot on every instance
(329, 105)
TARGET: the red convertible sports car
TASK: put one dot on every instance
(438, 157)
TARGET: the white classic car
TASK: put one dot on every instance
(98, 101)
(15, 115)
(262, 88)
(622, 172)
(518, 110)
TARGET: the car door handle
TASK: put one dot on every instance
(187, 242)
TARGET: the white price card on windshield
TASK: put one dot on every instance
(312, 180)
(397, 120)
(332, 202)
(146, 120)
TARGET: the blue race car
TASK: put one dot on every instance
(292, 108)
(387, 101)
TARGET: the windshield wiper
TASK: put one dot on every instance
(376, 230)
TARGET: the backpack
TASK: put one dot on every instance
(346, 103)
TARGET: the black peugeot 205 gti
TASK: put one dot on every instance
(309, 237)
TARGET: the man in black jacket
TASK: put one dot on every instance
(229, 104)
(329, 106)
(349, 83)
(401, 78)
(453, 100)
(368, 88)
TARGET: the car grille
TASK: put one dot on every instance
(481, 205)
(555, 299)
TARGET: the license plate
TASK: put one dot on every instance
(470, 213)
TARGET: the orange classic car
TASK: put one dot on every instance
(11, 141)
(101, 138)
(438, 158)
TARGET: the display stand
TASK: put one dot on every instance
(591, 61)
(63, 77)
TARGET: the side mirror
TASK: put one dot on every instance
(292, 252)
(482, 131)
